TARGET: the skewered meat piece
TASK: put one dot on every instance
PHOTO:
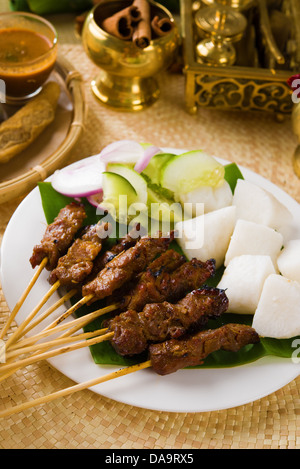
(59, 235)
(174, 354)
(141, 289)
(157, 322)
(169, 284)
(122, 245)
(146, 289)
(126, 266)
(77, 264)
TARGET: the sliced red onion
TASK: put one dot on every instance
(123, 151)
(143, 162)
(80, 179)
(95, 199)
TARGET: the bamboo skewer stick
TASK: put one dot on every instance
(73, 326)
(51, 353)
(23, 297)
(50, 310)
(19, 332)
(75, 388)
(70, 311)
(77, 324)
(54, 343)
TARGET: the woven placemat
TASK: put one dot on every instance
(86, 420)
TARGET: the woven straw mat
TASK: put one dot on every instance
(87, 420)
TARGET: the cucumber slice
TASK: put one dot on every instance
(153, 169)
(163, 209)
(134, 178)
(115, 187)
(184, 173)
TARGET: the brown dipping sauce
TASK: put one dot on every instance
(26, 60)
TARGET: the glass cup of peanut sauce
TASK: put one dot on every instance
(28, 52)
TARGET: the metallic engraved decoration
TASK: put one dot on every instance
(242, 94)
(231, 87)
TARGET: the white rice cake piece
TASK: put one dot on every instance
(278, 311)
(213, 198)
(207, 236)
(289, 260)
(256, 204)
(243, 280)
(252, 238)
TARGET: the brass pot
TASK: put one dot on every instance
(127, 78)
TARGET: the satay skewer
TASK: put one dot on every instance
(72, 389)
(164, 358)
(46, 254)
(42, 347)
(56, 240)
(126, 265)
(49, 311)
(19, 331)
(131, 332)
(167, 278)
(70, 328)
(161, 274)
(8, 367)
(23, 297)
(60, 269)
(124, 243)
(79, 260)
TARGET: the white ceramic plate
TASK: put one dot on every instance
(197, 390)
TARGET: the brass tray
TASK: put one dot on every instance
(51, 149)
(230, 87)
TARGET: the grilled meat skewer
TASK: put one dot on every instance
(59, 235)
(74, 267)
(174, 354)
(126, 266)
(164, 358)
(145, 287)
(123, 244)
(169, 283)
(133, 331)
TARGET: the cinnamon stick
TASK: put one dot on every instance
(121, 23)
(142, 34)
(161, 26)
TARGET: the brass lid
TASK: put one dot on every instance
(221, 21)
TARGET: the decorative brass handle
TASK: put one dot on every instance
(267, 33)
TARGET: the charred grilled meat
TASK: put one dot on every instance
(59, 235)
(142, 289)
(169, 284)
(174, 354)
(123, 244)
(126, 266)
(147, 288)
(74, 267)
(157, 322)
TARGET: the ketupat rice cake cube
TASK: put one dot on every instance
(254, 203)
(243, 280)
(208, 235)
(289, 260)
(278, 311)
(253, 238)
